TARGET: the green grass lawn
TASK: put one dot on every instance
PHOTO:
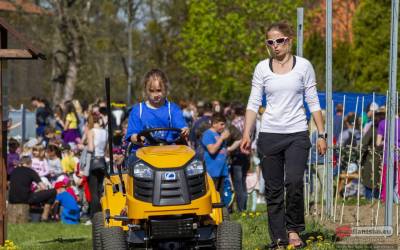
(63, 237)
(48, 236)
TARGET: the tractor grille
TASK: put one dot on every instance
(174, 228)
(170, 188)
(197, 186)
(144, 189)
(171, 191)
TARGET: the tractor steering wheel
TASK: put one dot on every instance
(157, 141)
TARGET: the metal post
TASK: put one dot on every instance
(329, 110)
(3, 150)
(23, 123)
(392, 114)
(130, 71)
(300, 25)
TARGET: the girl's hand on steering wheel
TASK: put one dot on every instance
(137, 140)
(185, 132)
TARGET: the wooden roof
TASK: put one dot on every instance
(24, 5)
(28, 52)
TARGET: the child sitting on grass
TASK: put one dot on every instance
(69, 160)
(40, 164)
(70, 212)
(12, 156)
(54, 162)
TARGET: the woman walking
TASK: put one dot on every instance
(283, 142)
(97, 144)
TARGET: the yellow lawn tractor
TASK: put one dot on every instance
(165, 200)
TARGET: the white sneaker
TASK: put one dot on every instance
(88, 223)
(261, 200)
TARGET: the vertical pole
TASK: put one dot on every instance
(3, 141)
(392, 114)
(300, 25)
(23, 123)
(107, 84)
(373, 161)
(130, 73)
(329, 122)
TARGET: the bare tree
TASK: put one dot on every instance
(71, 18)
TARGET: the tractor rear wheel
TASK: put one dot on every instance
(229, 236)
(113, 238)
(97, 225)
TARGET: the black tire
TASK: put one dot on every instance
(225, 214)
(97, 226)
(229, 236)
(113, 238)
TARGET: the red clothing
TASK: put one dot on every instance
(71, 191)
(85, 185)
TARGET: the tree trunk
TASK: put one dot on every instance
(73, 61)
(58, 65)
(70, 81)
(71, 17)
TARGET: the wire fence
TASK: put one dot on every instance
(359, 165)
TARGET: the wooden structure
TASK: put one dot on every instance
(27, 52)
(17, 213)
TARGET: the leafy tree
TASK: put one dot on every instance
(315, 41)
(342, 61)
(370, 62)
(314, 50)
(223, 40)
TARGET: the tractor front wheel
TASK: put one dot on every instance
(229, 236)
(97, 226)
(225, 214)
(113, 238)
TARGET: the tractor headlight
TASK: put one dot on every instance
(141, 170)
(195, 168)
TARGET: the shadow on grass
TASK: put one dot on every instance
(63, 240)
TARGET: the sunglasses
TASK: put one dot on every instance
(277, 41)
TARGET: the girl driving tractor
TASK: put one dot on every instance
(155, 112)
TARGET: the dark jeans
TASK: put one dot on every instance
(284, 159)
(132, 158)
(239, 167)
(44, 196)
(371, 194)
(95, 181)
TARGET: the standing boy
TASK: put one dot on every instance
(215, 151)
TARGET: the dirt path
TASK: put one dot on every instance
(367, 217)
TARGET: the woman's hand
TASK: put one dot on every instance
(245, 145)
(321, 145)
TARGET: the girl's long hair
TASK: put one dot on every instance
(155, 74)
(69, 108)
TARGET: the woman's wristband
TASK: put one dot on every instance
(322, 136)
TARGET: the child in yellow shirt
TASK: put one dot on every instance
(68, 162)
(71, 132)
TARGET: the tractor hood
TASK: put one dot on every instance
(171, 156)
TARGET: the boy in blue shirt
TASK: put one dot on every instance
(216, 151)
(70, 209)
(155, 112)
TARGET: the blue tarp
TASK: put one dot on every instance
(351, 99)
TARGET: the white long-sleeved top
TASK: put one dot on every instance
(285, 112)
